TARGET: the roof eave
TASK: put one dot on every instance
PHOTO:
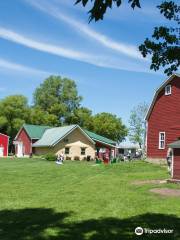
(4, 135)
(114, 146)
(175, 144)
(91, 139)
(20, 131)
(41, 146)
(56, 142)
(76, 126)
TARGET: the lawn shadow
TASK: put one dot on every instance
(46, 224)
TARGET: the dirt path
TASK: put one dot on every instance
(142, 182)
(166, 192)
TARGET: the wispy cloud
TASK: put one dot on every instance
(11, 35)
(11, 66)
(119, 47)
(100, 61)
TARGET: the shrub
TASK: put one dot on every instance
(99, 160)
(114, 160)
(121, 159)
(76, 158)
(68, 158)
(50, 157)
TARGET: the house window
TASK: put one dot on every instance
(67, 150)
(168, 90)
(83, 151)
(161, 140)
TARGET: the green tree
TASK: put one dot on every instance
(137, 128)
(14, 112)
(99, 7)
(164, 47)
(57, 96)
(110, 126)
(83, 117)
(39, 117)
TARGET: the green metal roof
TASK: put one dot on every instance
(175, 144)
(100, 138)
(53, 135)
(35, 131)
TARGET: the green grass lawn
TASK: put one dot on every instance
(44, 201)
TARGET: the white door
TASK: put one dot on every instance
(20, 149)
(1, 151)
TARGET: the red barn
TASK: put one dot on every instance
(4, 143)
(163, 119)
(26, 136)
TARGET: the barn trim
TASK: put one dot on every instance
(17, 135)
(172, 164)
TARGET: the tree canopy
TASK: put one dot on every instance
(110, 126)
(14, 112)
(38, 116)
(164, 45)
(56, 103)
(57, 96)
(99, 7)
(81, 116)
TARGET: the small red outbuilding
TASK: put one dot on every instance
(4, 143)
(175, 165)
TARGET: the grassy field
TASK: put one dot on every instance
(44, 201)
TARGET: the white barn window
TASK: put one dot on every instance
(168, 90)
(161, 140)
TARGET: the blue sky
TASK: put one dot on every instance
(39, 38)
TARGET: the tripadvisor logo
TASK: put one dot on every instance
(139, 231)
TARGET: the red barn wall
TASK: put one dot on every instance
(23, 137)
(4, 142)
(176, 164)
(165, 117)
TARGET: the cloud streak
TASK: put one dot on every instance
(126, 49)
(11, 66)
(100, 61)
(10, 35)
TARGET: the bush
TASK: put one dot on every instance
(99, 160)
(76, 158)
(50, 157)
(114, 160)
(68, 158)
(121, 159)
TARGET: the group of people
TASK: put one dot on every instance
(60, 158)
